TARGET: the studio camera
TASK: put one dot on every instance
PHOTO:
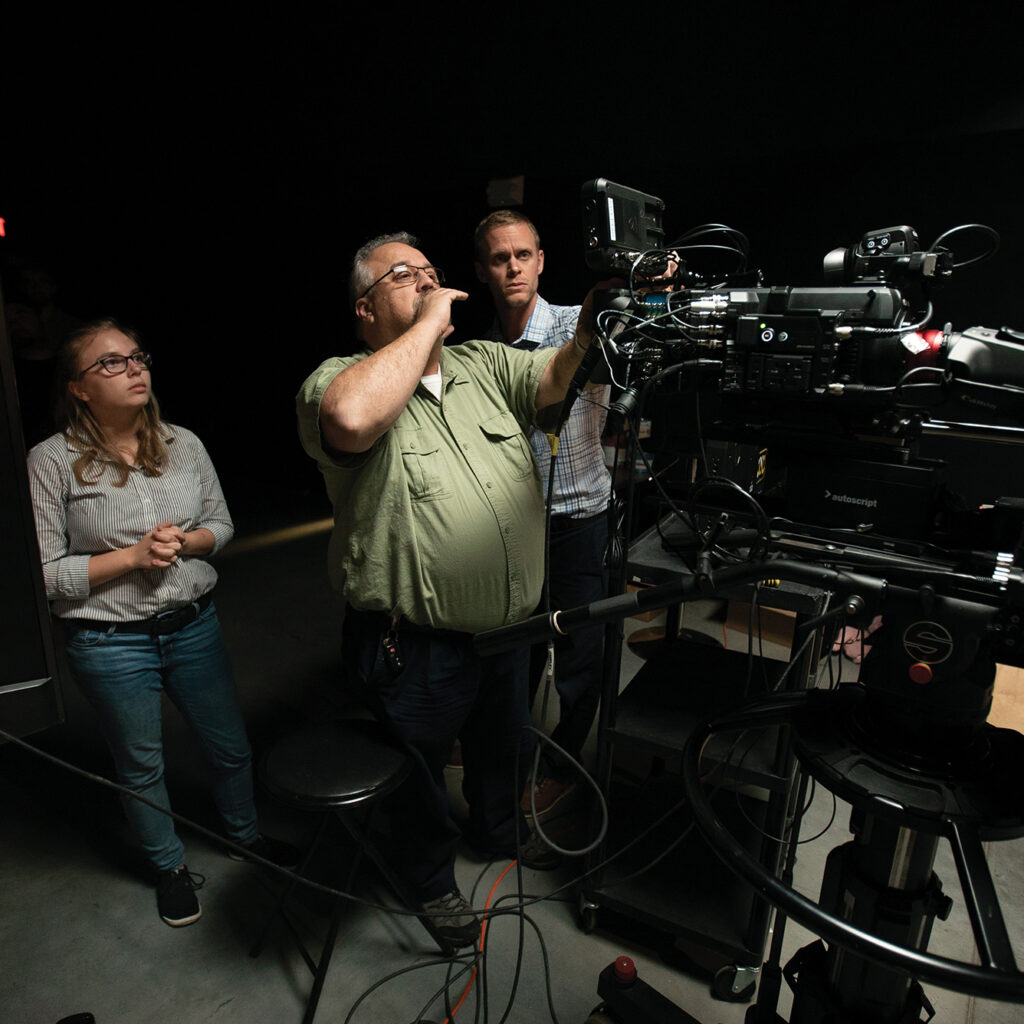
(848, 398)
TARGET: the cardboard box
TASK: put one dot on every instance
(1008, 701)
(776, 626)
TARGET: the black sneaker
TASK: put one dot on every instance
(454, 920)
(277, 851)
(176, 898)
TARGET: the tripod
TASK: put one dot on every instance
(879, 895)
(909, 749)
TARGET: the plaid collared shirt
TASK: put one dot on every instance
(582, 481)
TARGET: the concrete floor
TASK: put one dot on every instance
(78, 923)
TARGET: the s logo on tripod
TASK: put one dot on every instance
(929, 642)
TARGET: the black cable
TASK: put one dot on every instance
(741, 245)
(764, 531)
(794, 659)
(221, 840)
(701, 442)
(898, 328)
(684, 517)
(787, 839)
(828, 824)
(711, 246)
(519, 892)
(981, 228)
(655, 861)
(719, 767)
(444, 991)
(784, 840)
(195, 826)
(905, 382)
(624, 338)
(634, 270)
(520, 945)
(643, 869)
(525, 918)
(468, 965)
(477, 957)
(753, 609)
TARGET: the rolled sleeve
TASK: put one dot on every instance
(540, 358)
(67, 577)
(214, 516)
(307, 408)
(64, 574)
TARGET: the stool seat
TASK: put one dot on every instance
(339, 769)
(334, 764)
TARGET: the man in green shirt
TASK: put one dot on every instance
(438, 535)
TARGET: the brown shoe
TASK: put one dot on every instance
(547, 794)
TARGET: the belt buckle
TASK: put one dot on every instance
(173, 619)
(162, 618)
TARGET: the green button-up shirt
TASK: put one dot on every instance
(441, 521)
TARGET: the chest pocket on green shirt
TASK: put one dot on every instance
(423, 464)
(505, 433)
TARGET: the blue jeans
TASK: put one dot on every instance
(123, 675)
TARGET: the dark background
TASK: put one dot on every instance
(207, 180)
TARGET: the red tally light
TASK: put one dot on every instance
(921, 347)
(3, 227)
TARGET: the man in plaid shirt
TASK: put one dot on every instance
(509, 261)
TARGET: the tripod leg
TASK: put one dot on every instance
(765, 1009)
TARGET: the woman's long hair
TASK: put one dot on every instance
(82, 430)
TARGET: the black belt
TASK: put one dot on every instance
(381, 621)
(562, 524)
(159, 625)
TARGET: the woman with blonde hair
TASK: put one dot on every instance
(128, 508)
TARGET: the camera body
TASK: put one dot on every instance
(869, 419)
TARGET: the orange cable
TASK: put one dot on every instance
(483, 932)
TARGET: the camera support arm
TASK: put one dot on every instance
(872, 744)
(539, 628)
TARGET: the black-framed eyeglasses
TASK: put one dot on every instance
(405, 273)
(118, 364)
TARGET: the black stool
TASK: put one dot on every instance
(339, 768)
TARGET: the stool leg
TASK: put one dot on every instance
(360, 834)
(257, 946)
(320, 975)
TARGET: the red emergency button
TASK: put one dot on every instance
(625, 970)
(920, 672)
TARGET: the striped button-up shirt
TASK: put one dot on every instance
(75, 521)
(582, 481)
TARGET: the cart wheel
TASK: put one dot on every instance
(587, 914)
(600, 1015)
(731, 984)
